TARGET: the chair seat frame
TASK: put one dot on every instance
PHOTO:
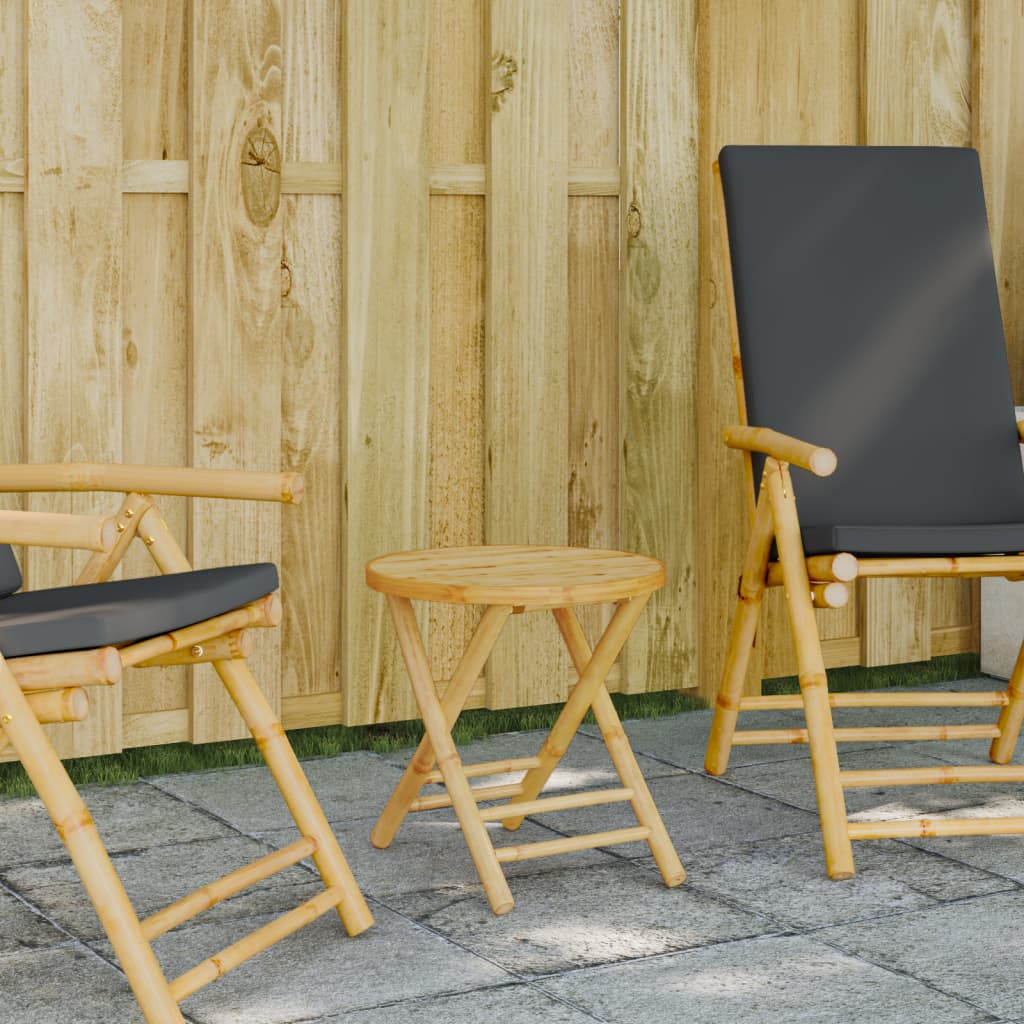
(51, 687)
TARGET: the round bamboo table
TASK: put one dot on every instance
(512, 580)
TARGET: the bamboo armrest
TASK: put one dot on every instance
(58, 530)
(820, 461)
(188, 482)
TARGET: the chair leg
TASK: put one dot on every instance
(75, 826)
(580, 700)
(1012, 715)
(741, 643)
(466, 674)
(448, 761)
(811, 668)
(622, 755)
(294, 786)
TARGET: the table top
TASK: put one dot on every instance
(520, 575)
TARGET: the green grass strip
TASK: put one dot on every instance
(127, 767)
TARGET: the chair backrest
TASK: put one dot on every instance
(869, 322)
(10, 574)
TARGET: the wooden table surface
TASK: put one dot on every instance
(517, 575)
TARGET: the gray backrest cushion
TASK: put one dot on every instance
(869, 322)
(10, 574)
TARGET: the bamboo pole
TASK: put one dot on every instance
(57, 530)
(563, 802)
(68, 705)
(480, 794)
(811, 667)
(184, 481)
(734, 334)
(829, 595)
(75, 827)
(744, 629)
(841, 568)
(99, 667)
(617, 742)
(968, 566)
(435, 722)
(877, 699)
(102, 563)
(237, 953)
(418, 771)
(581, 697)
(924, 827)
(473, 771)
(815, 459)
(871, 734)
(264, 613)
(941, 775)
(1012, 715)
(236, 644)
(551, 847)
(210, 895)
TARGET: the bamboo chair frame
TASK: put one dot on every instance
(52, 688)
(436, 759)
(806, 580)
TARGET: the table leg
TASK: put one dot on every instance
(466, 674)
(448, 761)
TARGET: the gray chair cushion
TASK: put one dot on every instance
(10, 573)
(123, 611)
(869, 322)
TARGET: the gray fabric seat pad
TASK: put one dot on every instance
(123, 611)
(985, 539)
(869, 322)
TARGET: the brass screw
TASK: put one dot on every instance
(120, 527)
(5, 719)
(149, 540)
(129, 512)
(197, 651)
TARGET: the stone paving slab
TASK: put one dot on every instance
(319, 971)
(156, 877)
(569, 919)
(22, 928)
(785, 879)
(429, 852)
(64, 985)
(699, 813)
(127, 817)
(348, 786)
(776, 978)
(999, 855)
(971, 950)
(511, 1004)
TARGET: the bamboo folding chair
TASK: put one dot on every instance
(55, 643)
(863, 296)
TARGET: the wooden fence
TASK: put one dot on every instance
(455, 262)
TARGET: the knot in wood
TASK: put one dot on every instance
(504, 69)
(261, 175)
(634, 222)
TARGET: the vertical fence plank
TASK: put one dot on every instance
(594, 287)
(917, 70)
(805, 90)
(235, 121)
(155, 291)
(526, 392)
(73, 239)
(997, 114)
(458, 113)
(659, 330)
(12, 241)
(386, 313)
(311, 314)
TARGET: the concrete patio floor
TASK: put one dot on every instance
(928, 930)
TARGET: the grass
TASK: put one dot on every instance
(119, 769)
